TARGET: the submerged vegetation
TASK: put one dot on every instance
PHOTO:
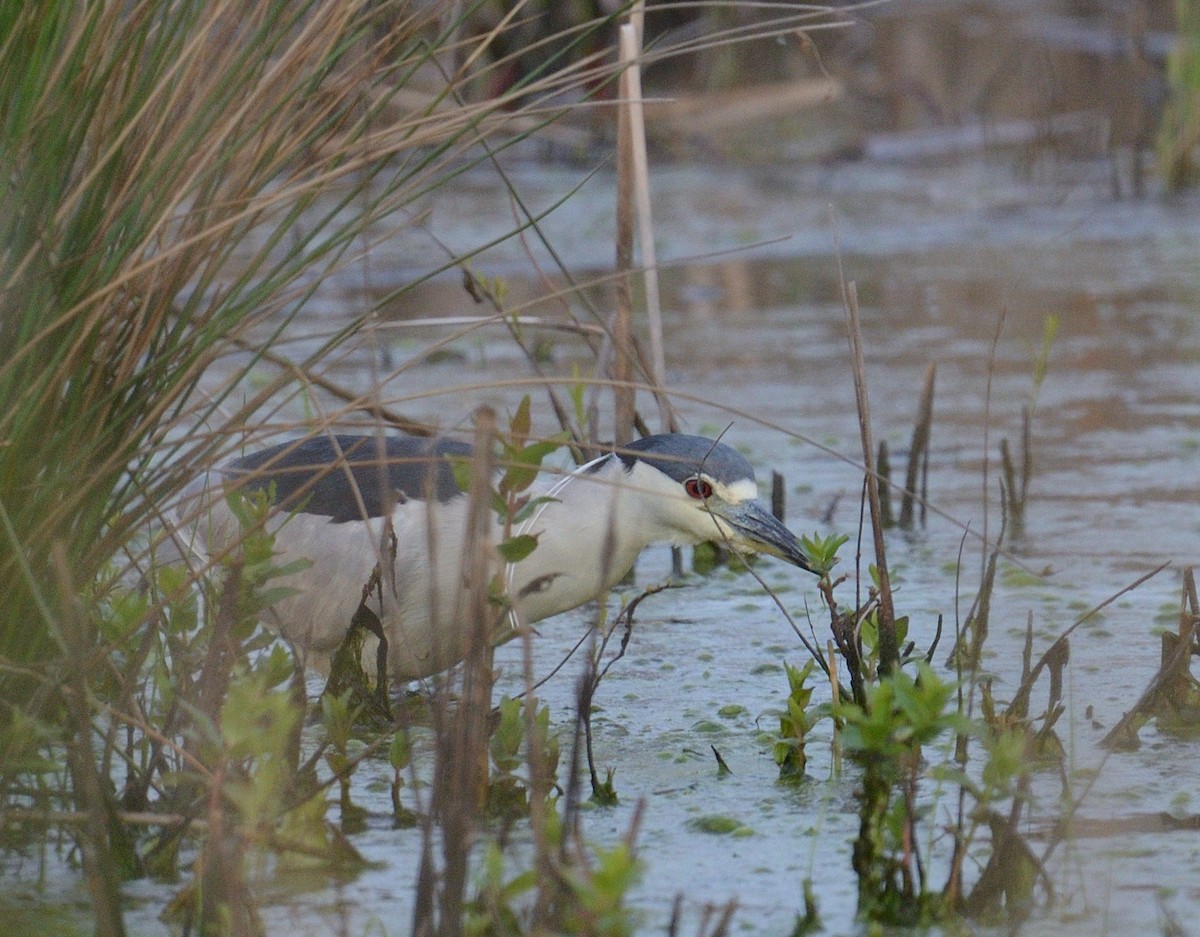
(180, 178)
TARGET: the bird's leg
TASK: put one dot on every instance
(346, 670)
(375, 625)
(364, 617)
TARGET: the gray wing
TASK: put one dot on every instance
(316, 476)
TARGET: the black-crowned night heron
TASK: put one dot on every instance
(338, 501)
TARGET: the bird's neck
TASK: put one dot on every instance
(589, 535)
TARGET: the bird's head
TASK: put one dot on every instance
(711, 494)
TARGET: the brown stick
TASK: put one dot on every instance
(622, 365)
(919, 447)
(889, 650)
(465, 786)
(462, 724)
(631, 79)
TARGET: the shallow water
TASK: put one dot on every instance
(944, 258)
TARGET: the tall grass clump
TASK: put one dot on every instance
(144, 145)
(178, 177)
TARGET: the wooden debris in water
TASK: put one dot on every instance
(1173, 692)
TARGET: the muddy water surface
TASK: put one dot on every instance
(959, 267)
(955, 266)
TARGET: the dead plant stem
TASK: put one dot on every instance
(631, 77)
(889, 651)
(622, 362)
(918, 452)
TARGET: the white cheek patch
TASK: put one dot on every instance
(736, 492)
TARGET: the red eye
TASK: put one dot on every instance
(697, 488)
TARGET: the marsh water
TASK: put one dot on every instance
(959, 266)
(956, 265)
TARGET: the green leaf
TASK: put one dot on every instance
(532, 505)
(127, 609)
(518, 478)
(519, 425)
(507, 735)
(515, 549)
(460, 466)
(535, 453)
(399, 752)
(525, 461)
(576, 390)
(822, 551)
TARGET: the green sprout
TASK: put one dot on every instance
(795, 723)
(822, 551)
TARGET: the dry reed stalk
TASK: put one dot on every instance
(889, 650)
(354, 400)
(484, 293)
(622, 327)
(985, 543)
(539, 787)
(462, 715)
(883, 471)
(635, 123)
(1017, 486)
(918, 453)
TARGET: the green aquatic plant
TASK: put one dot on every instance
(809, 922)
(822, 551)
(226, 744)
(337, 719)
(577, 890)
(908, 730)
(521, 456)
(795, 722)
(903, 716)
(400, 758)
(509, 793)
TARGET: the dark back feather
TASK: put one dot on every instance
(316, 477)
